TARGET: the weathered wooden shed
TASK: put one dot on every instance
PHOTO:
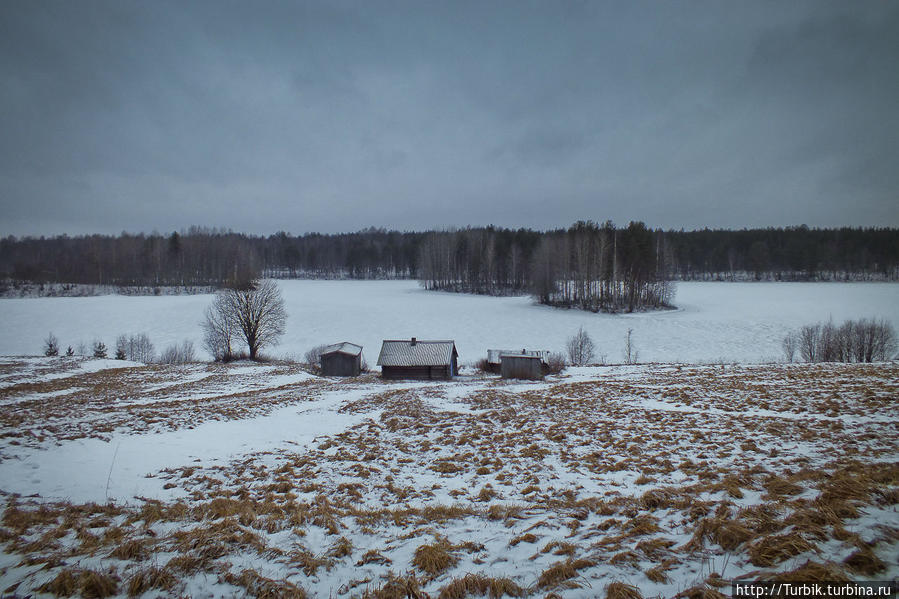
(495, 357)
(342, 359)
(414, 359)
(522, 366)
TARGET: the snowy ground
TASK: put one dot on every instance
(715, 322)
(211, 480)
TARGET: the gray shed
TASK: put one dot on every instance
(522, 366)
(414, 359)
(495, 357)
(342, 359)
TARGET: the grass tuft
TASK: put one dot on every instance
(435, 558)
(561, 573)
(620, 590)
(476, 585)
(151, 578)
(774, 549)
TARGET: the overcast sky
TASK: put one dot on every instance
(268, 116)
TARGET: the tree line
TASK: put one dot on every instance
(589, 265)
(786, 254)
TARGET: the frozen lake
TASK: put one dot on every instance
(742, 322)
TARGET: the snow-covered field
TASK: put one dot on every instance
(715, 322)
(267, 481)
(709, 465)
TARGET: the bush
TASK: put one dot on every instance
(121, 343)
(99, 349)
(789, 345)
(853, 341)
(581, 349)
(555, 362)
(313, 357)
(137, 348)
(178, 354)
(51, 345)
(481, 365)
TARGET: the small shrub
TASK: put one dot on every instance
(99, 349)
(581, 349)
(555, 363)
(313, 357)
(854, 341)
(178, 354)
(51, 345)
(789, 344)
(631, 355)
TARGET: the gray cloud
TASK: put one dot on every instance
(333, 117)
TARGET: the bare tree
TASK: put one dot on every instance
(581, 349)
(178, 354)
(314, 356)
(141, 349)
(853, 341)
(219, 329)
(884, 341)
(809, 337)
(51, 345)
(256, 311)
(789, 344)
(631, 355)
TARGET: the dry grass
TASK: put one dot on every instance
(700, 592)
(813, 572)
(86, 583)
(476, 585)
(561, 573)
(147, 579)
(261, 587)
(405, 587)
(135, 550)
(620, 590)
(362, 488)
(772, 550)
(865, 562)
(435, 558)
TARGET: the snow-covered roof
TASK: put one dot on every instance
(344, 347)
(412, 352)
(494, 356)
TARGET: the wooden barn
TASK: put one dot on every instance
(414, 359)
(522, 366)
(342, 359)
(495, 357)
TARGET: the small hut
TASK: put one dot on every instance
(495, 358)
(522, 366)
(414, 359)
(342, 359)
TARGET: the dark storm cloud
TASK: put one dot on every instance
(330, 116)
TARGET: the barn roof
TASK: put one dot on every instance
(344, 347)
(494, 356)
(411, 352)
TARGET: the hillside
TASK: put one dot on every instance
(269, 480)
